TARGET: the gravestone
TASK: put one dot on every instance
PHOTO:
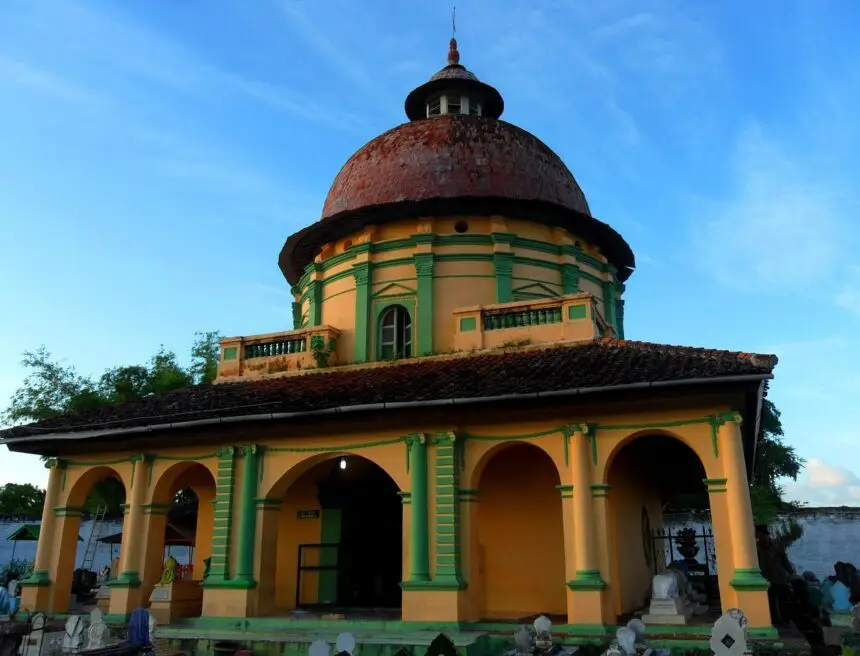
(729, 635)
(442, 646)
(98, 630)
(73, 640)
(344, 644)
(32, 645)
(319, 648)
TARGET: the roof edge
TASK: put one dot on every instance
(9, 442)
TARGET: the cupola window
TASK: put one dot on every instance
(395, 333)
(474, 108)
(454, 104)
(434, 107)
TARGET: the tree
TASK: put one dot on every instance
(23, 500)
(52, 389)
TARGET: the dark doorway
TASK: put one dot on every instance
(371, 532)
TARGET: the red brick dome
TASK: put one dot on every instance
(453, 156)
(453, 159)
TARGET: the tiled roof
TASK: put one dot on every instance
(597, 364)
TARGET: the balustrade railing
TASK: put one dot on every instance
(521, 318)
(276, 347)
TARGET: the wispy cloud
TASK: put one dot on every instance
(14, 72)
(781, 228)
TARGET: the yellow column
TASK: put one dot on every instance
(747, 580)
(126, 588)
(35, 594)
(585, 604)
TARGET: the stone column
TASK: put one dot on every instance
(585, 604)
(419, 565)
(35, 594)
(247, 515)
(747, 575)
(132, 536)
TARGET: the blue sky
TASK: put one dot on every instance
(155, 155)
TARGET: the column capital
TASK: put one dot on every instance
(141, 457)
(725, 417)
(56, 463)
(226, 452)
(361, 272)
(251, 450)
(444, 437)
(415, 438)
(423, 263)
(584, 429)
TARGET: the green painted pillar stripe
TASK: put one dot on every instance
(504, 265)
(424, 273)
(220, 563)
(419, 566)
(247, 515)
(362, 273)
(447, 510)
(315, 313)
(570, 277)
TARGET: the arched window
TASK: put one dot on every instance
(395, 333)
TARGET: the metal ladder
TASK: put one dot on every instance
(93, 539)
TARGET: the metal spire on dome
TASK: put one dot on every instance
(453, 53)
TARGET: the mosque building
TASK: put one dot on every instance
(455, 433)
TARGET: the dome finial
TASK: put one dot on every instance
(453, 53)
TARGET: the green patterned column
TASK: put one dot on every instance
(447, 512)
(315, 306)
(248, 515)
(419, 565)
(504, 265)
(362, 274)
(424, 273)
(297, 308)
(220, 565)
(570, 277)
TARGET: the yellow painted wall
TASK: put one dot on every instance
(520, 535)
(518, 520)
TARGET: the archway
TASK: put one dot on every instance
(180, 524)
(644, 476)
(339, 540)
(93, 510)
(520, 536)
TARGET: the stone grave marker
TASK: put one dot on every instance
(98, 630)
(344, 645)
(32, 645)
(73, 640)
(729, 635)
(319, 648)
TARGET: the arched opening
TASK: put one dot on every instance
(92, 513)
(646, 477)
(339, 541)
(520, 536)
(179, 535)
(395, 333)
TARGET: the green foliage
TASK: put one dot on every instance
(21, 500)
(17, 568)
(52, 389)
(108, 492)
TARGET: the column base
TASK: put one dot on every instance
(586, 600)
(232, 598)
(435, 601)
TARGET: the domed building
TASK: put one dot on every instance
(455, 435)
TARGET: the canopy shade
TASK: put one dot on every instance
(172, 538)
(29, 533)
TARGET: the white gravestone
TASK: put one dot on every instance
(98, 630)
(729, 635)
(74, 638)
(319, 648)
(32, 646)
(345, 644)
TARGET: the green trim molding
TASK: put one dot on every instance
(129, 579)
(749, 580)
(715, 485)
(37, 579)
(363, 274)
(600, 490)
(424, 311)
(67, 511)
(447, 511)
(566, 491)
(587, 579)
